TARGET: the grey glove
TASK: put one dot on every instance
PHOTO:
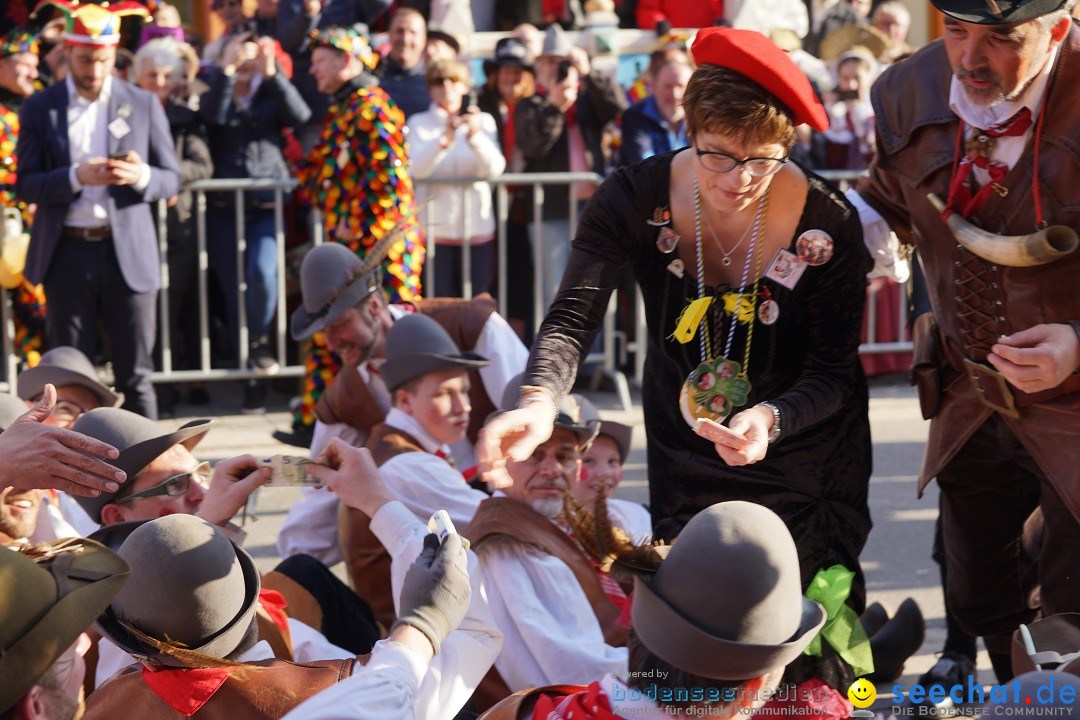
(436, 591)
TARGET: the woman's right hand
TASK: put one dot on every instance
(512, 437)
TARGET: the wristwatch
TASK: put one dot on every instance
(774, 434)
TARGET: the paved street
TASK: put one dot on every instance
(896, 559)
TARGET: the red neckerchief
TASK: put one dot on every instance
(186, 690)
(448, 458)
(809, 698)
(589, 704)
(274, 604)
(961, 199)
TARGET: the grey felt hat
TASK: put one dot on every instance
(619, 433)
(11, 409)
(47, 602)
(417, 345)
(192, 585)
(570, 416)
(997, 12)
(66, 365)
(727, 602)
(139, 440)
(556, 42)
(332, 280)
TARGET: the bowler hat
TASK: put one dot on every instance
(570, 415)
(417, 345)
(619, 433)
(47, 602)
(509, 52)
(193, 586)
(331, 282)
(61, 366)
(11, 409)
(139, 440)
(726, 602)
(997, 12)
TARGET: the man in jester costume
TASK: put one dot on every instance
(357, 176)
(18, 79)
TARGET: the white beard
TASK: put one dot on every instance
(548, 507)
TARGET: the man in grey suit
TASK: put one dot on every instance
(94, 152)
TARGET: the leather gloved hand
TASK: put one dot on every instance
(436, 592)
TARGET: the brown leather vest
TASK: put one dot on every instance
(367, 561)
(975, 301)
(502, 516)
(347, 400)
(262, 690)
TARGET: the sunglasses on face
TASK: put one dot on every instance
(174, 486)
(436, 81)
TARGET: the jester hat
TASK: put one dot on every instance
(347, 41)
(94, 25)
(18, 41)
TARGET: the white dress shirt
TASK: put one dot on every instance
(550, 634)
(632, 518)
(88, 137)
(311, 524)
(386, 688)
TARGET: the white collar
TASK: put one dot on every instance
(74, 96)
(983, 117)
(401, 420)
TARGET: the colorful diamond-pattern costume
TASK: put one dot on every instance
(357, 175)
(28, 301)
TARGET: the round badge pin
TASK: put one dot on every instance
(814, 247)
(768, 312)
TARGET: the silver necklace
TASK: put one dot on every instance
(725, 260)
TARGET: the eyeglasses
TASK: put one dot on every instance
(722, 162)
(174, 486)
(68, 411)
(436, 81)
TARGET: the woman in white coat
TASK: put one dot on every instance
(455, 140)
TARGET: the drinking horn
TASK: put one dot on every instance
(1038, 248)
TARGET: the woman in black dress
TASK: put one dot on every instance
(753, 273)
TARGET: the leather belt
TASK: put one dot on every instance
(994, 391)
(92, 234)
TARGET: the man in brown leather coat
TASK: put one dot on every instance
(986, 121)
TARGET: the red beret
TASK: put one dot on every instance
(752, 54)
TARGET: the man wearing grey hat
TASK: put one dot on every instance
(190, 619)
(341, 299)
(428, 377)
(717, 618)
(51, 596)
(558, 624)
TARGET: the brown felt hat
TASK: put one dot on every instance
(570, 415)
(192, 585)
(727, 601)
(619, 433)
(139, 440)
(45, 605)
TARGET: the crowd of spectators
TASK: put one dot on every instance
(246, 104)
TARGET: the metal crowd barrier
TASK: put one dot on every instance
(616, 346)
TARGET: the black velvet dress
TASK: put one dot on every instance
(816, 476)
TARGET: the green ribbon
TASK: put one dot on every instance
(831, 587)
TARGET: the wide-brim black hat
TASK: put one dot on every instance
(436, 33)
(727, 602)
(509, 52)
(997, 12)
(417, 345)
(61, 366)
(46, 604)
(139, 440)
(198, 591)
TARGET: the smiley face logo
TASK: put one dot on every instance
(862, 693)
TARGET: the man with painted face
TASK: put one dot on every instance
(985, 120)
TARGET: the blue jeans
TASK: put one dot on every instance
(260, 266)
